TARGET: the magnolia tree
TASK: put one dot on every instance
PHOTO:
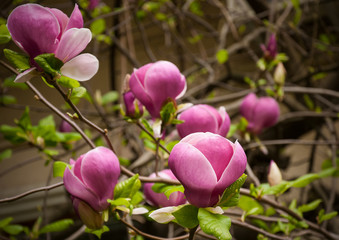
(205, 140)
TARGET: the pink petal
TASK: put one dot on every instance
(224, 126)
(62, 20)
(163, 80)
(81, 68)
(234, 170)
(77, 189)
(247, 106)
(100, 171)
(35, 28)
(266, 113)
(194, 171)
(197, 119)
(136, 84)
(26, 75)
(217, 150)
(75, 20)
(73, 42)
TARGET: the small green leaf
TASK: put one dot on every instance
(324, 217)
(49, 63)
(187, 216)
(68, 82)
(78, 92)
(222, 56)
(98, 232)
(4, 222)
(304, 180)
(109, 97)
(127, 188)
(231, 195)
(215, 224)
(277, 189)
(13, 134)
(248, 203)
(59, 168)
(98, 26)
(5, 154)
(167, 189)
(5, 36)
(120, 202)
(25, 121)
(14, 229)
(261, 64)
(167, 112)
(310, 206)
(20, 61)
(57, 226)
(7, 99)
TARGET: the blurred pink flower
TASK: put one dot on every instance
(260, 112)
(204, 118)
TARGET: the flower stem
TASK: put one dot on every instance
(192, 232)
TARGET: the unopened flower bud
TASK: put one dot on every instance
(279, 74)
(274, 175)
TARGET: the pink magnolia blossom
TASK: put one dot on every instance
(206, 164)
(204, 118)
(260, 112)
(154, 84)
(93, 177)
(37, 30)
(270, 50)
(159, 199)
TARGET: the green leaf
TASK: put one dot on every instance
(57, 226)
(68, 82)
(5, 154)
(304, 180)
(277, 189)
(98, 26)
(119, 202)
(215, 224)
(78, 92)
(109, 97)
(187, 216)
(222, 56)
(9, 82)
(248, 203)
(261, 64)
(14, 229)
(127, 188)
(49, 63)
(231, 195)
(4, 222)
(310, 206)
(25, 121)
(20, 61)
(324, 217)
(167, 112)
(13, 134)
(98, 232)
(5, 36)
(59, 168)
(7, 99)
(167, 189)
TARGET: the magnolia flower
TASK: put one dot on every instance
(270, 50)
(160, 199)
(260, 112)
(206, 164)
(37, 30)
(155, 84)
(204, 118)
(93, 177)
(274, 175)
